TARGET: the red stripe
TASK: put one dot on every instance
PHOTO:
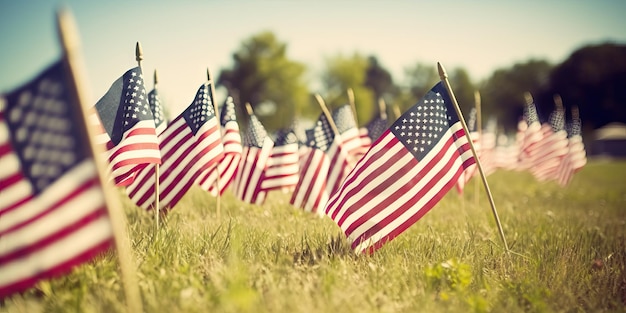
(55, 271)
(60, 202)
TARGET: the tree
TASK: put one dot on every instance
(265, 77)
(463, 89)
(420, 78)
(594, 79)
(503, 93)
(342, 73)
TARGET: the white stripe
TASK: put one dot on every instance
(10, 165)
(61, 251)
(69, 182)
(414, 209)
(307, 177)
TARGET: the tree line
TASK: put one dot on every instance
(593, 78)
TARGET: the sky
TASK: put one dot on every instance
(181, 39)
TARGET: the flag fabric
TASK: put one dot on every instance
(403, 175)
(160, 122)
(548, 153)
(488, 142)
(346, 125)
(231, 139)
(576, 157)
(323, 167)
(529, 129)
(189, 145)
(369, 134)
(127, 127)
(257, 148)
(475, 135)
(282, 166)
(52, 210)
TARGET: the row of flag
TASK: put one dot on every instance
(373, 182)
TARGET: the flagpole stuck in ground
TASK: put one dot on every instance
(69, 39)
(217, 168)
(320, 100)
(444, 78)
(157, 209)
(353, 105)
(479, 128)
(156, 171)
(382, 108)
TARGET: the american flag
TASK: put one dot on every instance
(346, 125)
(529, 129)
(548, 153)
(160, 122)
(127, 127)
(370, 133)
(52, 210)
(231, 139)
(257, 148)
(475, 135)
(282, 167)
(190, 145)
(576, 157)
(405, 173)
(323, 167)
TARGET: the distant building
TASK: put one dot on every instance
(609, 141)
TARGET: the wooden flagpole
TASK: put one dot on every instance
(70, 42)
(327, 113)
(396, 111)
(156, 173)
(353, 106)
(157, 209)
(479, 128)
(219, 126)
(444, 78)
(382, 108)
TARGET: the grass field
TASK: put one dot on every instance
(569, 255)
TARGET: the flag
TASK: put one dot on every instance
(403, 175)
(231, 139)
(52, 210)
(127, 127)
(189, 145)
(282, 166)
(370, 133)
(257, 148)
(529, 129)
(346, 125)
(160, 122)
(551, 149)
(475, 135)
(576, 156)
(323, 167)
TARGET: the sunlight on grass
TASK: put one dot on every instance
(568, 256)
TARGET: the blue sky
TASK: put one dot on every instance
(182, 38)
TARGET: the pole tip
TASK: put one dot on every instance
(249, 108)
(575, 113)
(138, 52)
(442, 71)
(528, 97)
(66, 28)
(156, 77)
(208, 74)
(558, 102)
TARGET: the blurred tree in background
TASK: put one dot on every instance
(503, 93)
(594, 79)
(343, 72)
(265, 77)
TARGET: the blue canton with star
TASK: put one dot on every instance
(321, 135)
(156, 108)
(228, 111)
(255, 135)
(376, 127)
(285, 136)
(425, 124)
(43, 129)
(344, 118)
(201, 110)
